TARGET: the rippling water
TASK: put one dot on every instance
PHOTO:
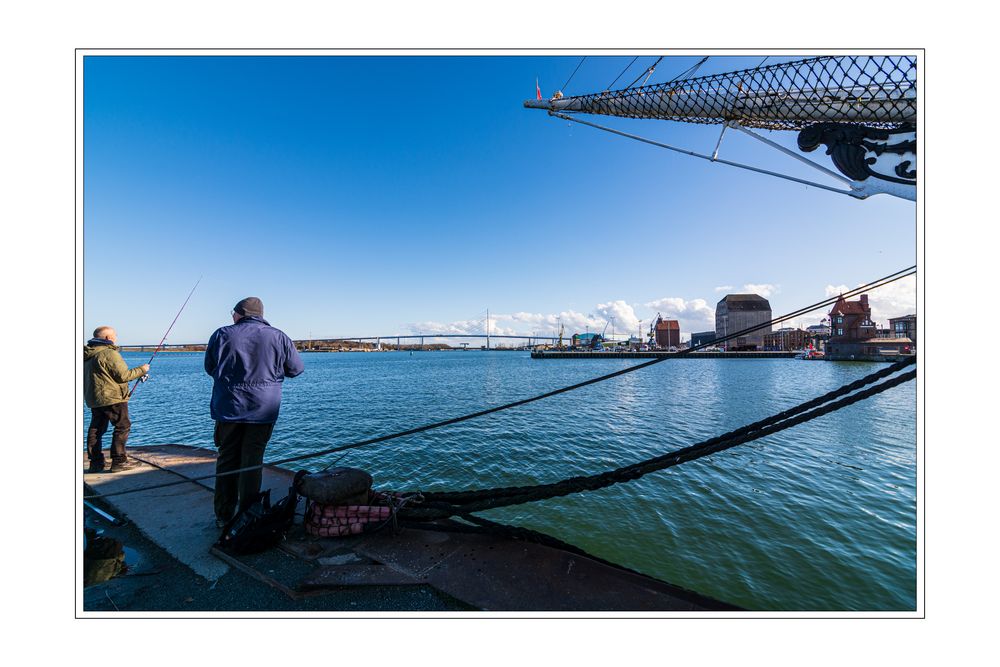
(818, 517)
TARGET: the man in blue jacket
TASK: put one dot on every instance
(248, 360)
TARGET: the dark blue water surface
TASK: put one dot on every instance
(818, 517)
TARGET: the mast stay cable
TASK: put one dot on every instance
(611, 85)
(565, 85)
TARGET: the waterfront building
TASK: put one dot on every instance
(819, 335)
(586, 340)
(851, 320)
(702, 337)
(738, 312)
(854, 334)
(667, 332)
(787, 339)
(904, 327)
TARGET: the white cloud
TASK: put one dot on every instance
(528, 323)
(694, 315)
(515, 324)
(763, 289)
(575, 322)
(893, 300)
(622, 313)
(571, 320)
(459, 327)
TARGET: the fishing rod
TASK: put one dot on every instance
(163, 340)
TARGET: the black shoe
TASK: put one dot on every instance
(124, 465)
(220, 523)
(95, 468)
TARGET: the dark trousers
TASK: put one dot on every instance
(240, 446)
(116, 414)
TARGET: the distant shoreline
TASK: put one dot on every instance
(404, 348)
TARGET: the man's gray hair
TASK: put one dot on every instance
(100, 331)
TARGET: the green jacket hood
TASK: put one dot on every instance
(92, 349)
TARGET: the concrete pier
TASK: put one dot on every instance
(481, 571)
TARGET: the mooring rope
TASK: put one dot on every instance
(892, 277)
(477, 501)
(459, 497)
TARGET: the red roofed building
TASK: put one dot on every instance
(851, 320)
(667, 332)
(853, 334)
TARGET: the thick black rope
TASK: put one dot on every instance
(892, 277)
(431, 510)
(459, 497)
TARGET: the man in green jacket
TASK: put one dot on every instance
(105, 390)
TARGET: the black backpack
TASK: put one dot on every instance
(261, 525)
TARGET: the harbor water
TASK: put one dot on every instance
(818, 517)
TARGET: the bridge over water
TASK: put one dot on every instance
(529, 339)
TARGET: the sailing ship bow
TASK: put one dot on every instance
(862, 108)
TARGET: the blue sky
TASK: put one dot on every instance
(379, 195)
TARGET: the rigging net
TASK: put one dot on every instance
(877, 91)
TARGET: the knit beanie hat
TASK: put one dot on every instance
(250, 306)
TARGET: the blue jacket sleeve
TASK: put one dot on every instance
(212, 354)
(293, 362)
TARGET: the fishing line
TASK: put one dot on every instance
(162, 340)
